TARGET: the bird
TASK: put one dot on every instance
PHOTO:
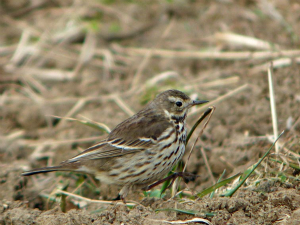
(140, 150)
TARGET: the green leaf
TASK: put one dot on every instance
(292, 165)
(165, 185)
(219, 180)
(154, 193)
(231, 192)
(202, 117)
(93, 124)
(217, 185)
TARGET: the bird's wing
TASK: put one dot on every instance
(134, 134)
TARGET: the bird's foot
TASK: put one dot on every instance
(117, 198)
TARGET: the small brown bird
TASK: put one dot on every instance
(140, 150)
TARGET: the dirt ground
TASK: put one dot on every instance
(104, 60)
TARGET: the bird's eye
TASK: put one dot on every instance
(178, 104)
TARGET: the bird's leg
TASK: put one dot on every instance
(123, 199)
(120, 197)
(149, 187)
(184, 175)
(124, 191)
(117, 198)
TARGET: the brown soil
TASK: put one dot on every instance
(97, 51)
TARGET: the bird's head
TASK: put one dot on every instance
(175, 103)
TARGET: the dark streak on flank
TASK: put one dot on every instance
(167, 136)
(182, 129)
(125, 170)
(114, 174)
(117, 166)
(134, 175)
(141, 164)
(168, 157)
(177, 150)
(160, 156)
(166, 146)
(180, 140)
(157, 164)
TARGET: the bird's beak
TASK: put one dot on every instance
(195, 102)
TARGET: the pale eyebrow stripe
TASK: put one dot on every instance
(172, 99)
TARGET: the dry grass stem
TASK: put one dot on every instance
(20, 25)
(295, 124)
(14, 135)
(90, 200)
(225, 161)
(50, 142)
(269, 9)
(100, 52)
(207, 165)
(105, 127)
(155, 80)
(221, 98)
(35, 86)
(244, 41)
(194, 220)
(88, 48)
(55, 101)
(121, 15)
(123, 105)
(216, 83)
(281, 146)
(246, 55)
(8, 49)
(64, 36)
(200, 133)
(87, 52)
(73, 112)
(273, 107)
(20, 52)
(148, 55)
(278, 63)
(49, 74)
(29, 92)
(161, 77)
(39, 153)
(77, 188)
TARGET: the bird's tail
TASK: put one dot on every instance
(43, 170)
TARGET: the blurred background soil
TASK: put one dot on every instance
(104, 60)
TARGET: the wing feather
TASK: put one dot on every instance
(137, 133)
